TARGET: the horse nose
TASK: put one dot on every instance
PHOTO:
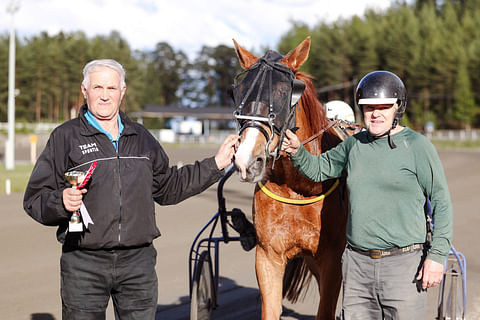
(250, 168)
(241, 166)
(243, 171)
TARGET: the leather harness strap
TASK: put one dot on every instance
(337, 125)
(316, 135)
(298, 201)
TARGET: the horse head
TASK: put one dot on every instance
(265, 95)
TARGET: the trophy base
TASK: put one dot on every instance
(75, 227)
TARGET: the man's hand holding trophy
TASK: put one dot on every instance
(78, 179)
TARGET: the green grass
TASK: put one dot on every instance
(18, 177)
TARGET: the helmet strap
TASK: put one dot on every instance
(395, 122)
(389, 137)
(390, 141)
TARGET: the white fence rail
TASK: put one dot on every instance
(167, 135)
(40, 127)
(455, 135)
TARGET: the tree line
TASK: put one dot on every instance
(434, 46)
(49, 74)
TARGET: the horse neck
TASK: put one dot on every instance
(310, 119)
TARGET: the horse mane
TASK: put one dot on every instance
(314, 111)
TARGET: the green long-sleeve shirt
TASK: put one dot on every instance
(387, 190)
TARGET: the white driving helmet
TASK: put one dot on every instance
(337, 109)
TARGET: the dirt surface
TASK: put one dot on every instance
(29, 278)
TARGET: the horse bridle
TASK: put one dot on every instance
(258, 118)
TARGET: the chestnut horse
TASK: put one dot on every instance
(294, 241)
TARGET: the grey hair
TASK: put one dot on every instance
(101, 63)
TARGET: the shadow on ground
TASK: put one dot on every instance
(42, 316)
(234, 302)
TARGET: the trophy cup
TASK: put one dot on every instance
(75, 178)
(78, 179)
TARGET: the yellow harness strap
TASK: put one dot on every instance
(297, 201)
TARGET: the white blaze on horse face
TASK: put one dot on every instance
(246, 156)
(243, 155)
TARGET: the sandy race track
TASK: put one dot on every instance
(29, 264)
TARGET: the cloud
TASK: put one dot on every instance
(184, 24)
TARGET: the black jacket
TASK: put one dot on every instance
(122, 189)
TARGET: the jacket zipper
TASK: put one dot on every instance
(120, 190)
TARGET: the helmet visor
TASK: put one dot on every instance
(377, 101)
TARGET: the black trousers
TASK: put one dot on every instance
(90, 277)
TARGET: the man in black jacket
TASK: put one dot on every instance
(112, 254)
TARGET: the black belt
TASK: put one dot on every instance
(381, 253)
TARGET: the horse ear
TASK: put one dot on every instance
(295, 58)
(245, 57)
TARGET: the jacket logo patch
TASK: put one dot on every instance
(88, 148)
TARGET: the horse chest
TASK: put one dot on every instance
(285, 227)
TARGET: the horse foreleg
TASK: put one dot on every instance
(270, 269)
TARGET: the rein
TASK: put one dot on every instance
(298, 201)
(316, 135)
(337, 125)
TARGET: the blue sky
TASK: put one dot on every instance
(184, 24)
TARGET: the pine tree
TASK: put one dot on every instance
(464, 109)
(363, 36)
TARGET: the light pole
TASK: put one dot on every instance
(12, 7)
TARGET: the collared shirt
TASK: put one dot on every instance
(94, 123)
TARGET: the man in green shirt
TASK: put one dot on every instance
(391, 172)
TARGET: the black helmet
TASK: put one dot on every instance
(382, 87)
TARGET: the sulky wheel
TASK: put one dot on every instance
(202, 300)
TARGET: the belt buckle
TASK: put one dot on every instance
(375, 253)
